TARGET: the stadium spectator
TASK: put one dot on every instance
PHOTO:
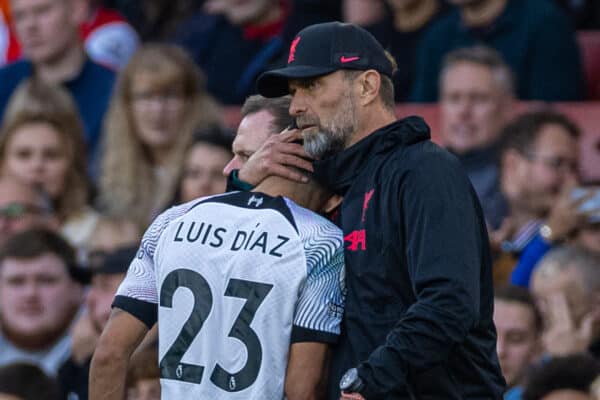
(48, 31)
(476, 97)
(22, 381)
(418, 314)
(400, 31)
(233, 43)
(563, 378)
(40, 293)
(108, 39)
(534, 37)
(566, 288)
(204, 161)
(74, 373)
(519, 327)
(540, 160)
(159, 101)
(41, 145)
(143, 375)
(22, 207)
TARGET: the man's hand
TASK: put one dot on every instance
(563, 336)
(275, 157)
(84, 339)
(120, 337)
(565, 216)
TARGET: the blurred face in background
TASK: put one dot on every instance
(534, 178)
(563, 283)
(100, 298)
(474, 107)
(36, 155)
(202, 173)
(21, 208)
(157, 110)
(38, 300)
(46, 28)
(518, 340)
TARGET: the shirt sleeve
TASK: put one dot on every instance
(138, 293)
(320, 307)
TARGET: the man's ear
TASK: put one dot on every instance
(369, 86)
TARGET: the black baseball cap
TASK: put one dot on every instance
(116, 262)
(321, 49)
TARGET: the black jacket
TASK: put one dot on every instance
(418, 320)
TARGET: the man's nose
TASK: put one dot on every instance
(235, 163)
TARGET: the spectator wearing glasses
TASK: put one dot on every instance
(538, 172)
(159, 102)
(21, 208)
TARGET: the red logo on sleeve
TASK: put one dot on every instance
(368, 196)
(293, 49)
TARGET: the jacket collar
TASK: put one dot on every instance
(340, 170)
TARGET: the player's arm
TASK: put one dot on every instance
(306, 371)
(108, 371)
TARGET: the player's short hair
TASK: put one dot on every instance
(278, 107)
(517, 294)
(36, 242)
(27, 382)
(483, 56)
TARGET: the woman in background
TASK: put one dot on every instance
(42, 144)
(203, 165)
(158, 102)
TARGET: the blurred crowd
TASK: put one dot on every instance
(112, 111)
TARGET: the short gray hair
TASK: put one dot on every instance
(585, 262)
(484, 56)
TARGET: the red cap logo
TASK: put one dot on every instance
(293, 49)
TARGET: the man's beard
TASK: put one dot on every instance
(335, 136)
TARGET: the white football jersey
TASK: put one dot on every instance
(236, 279)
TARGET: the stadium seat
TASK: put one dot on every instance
(589, 44)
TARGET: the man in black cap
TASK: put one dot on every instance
(418, 320)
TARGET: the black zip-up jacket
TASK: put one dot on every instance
(418, 319)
